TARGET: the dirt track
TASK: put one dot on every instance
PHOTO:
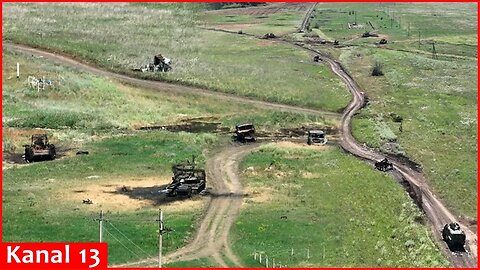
(212, 236)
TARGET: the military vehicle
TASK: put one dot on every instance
(384, 165)
(316, 137)
(187, 180)
(245, 133)
(317, 58)
(160, 64)
(453, 235)
(39, 148)
(268, 35)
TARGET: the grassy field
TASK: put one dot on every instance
(436, 98)
(452, 26)
(342, 210)
(213, 60)
(279, 24)
(43, 201)
(80, 107)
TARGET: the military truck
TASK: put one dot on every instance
(245, 133)
(187, 180)
(316, 137)
(39, 148)
(384, 165)
(453, 236)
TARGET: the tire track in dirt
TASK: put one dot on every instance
(437, 214)
(158, 85)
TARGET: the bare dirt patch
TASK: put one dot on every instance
(128, 195)
(264, 43)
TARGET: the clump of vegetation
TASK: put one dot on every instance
(377, 69)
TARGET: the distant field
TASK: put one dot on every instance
(452, 26)
(346, 213)
(218, 61)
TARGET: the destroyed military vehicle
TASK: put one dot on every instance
(453, 236)
(384, 165)
(244, 133)
(39, 148)
(268, 35)
(317, 58)
(160, 64)
(187, 180)
(316, 137)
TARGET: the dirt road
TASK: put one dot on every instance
(211, 239)
(161, 86)
(212, 236)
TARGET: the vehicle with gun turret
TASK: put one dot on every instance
(187, 180)
(160, 64)
(316, 137)
(245, 133)
(453, 236)
(39, 148)
(384, 165)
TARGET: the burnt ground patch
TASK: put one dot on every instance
(153, 194)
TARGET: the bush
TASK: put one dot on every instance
(377, 70)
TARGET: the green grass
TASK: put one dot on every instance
(80, 105)
(451, 25)
(34, 210)
(437, 100)
(279, 24)
(217, 61)
(345, 212)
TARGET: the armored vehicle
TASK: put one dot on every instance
(268, 35)
(186, 180)
(39, 148)
(317, 137)
(453, 235)
(245, 133)
(384, 165)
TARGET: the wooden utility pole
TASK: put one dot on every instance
(100, 226)
(434, 52)
(160, 233)
(419, 39)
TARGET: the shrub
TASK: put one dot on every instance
(377, 70)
